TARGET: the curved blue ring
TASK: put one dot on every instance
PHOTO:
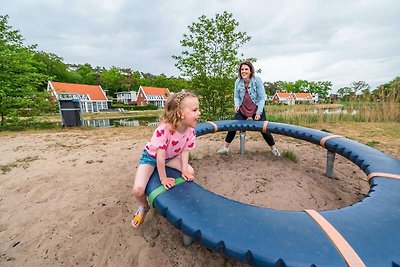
(266, 237)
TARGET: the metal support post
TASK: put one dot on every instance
(330, 161)
(242, 140)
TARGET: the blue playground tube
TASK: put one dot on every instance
(363, 234)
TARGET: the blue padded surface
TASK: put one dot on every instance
(371, 226)
(267, 237)
(367, 158)
(250, 234)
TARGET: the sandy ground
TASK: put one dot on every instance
(65, 196)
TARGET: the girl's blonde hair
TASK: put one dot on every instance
(172, 110)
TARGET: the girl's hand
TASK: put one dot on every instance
(187, 176)
(257, 117)
(236, 109)
(168, 183)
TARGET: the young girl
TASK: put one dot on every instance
(169, 146)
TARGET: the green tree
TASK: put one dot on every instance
(210, 60)
(358, 87)
(301, 86)
(282, 86)
(271, 88)
(321, 88)
(344, 93)
(87, 74)
(22, 86)
(113, 81)
(178, 84)
(53, 66)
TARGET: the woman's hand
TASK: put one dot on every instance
(168, 182)
(257, 117)
(236, 109)
(187, 176)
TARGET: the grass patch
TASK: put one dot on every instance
(372, 143)
(24, 163)
(290, 155)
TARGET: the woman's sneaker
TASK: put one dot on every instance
(223, 150)
(275, 152)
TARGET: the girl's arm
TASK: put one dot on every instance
(185, 164)
(165, 181)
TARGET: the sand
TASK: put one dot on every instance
(65, 196)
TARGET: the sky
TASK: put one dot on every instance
(341, 41)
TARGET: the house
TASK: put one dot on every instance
(127, 97)
(92, 97)
(284, 98)
(315, 97)
(303, 98)
(152, 95)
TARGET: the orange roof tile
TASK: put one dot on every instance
(164, 92)
(303, 95)
(94, 91)
(285, 95)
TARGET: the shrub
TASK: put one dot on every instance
(290, 155)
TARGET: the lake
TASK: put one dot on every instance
(117, 122)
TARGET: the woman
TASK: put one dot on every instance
(249, 98)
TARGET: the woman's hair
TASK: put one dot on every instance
(172, 110)
(250, 65)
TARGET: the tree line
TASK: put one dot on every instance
(114, 79)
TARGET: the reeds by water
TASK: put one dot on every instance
(346, 112)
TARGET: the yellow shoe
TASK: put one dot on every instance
(138, 220)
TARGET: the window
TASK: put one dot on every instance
(89, 106)
(84, 97)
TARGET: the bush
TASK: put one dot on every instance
(290, 155)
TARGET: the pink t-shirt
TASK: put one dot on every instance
(173, 142)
